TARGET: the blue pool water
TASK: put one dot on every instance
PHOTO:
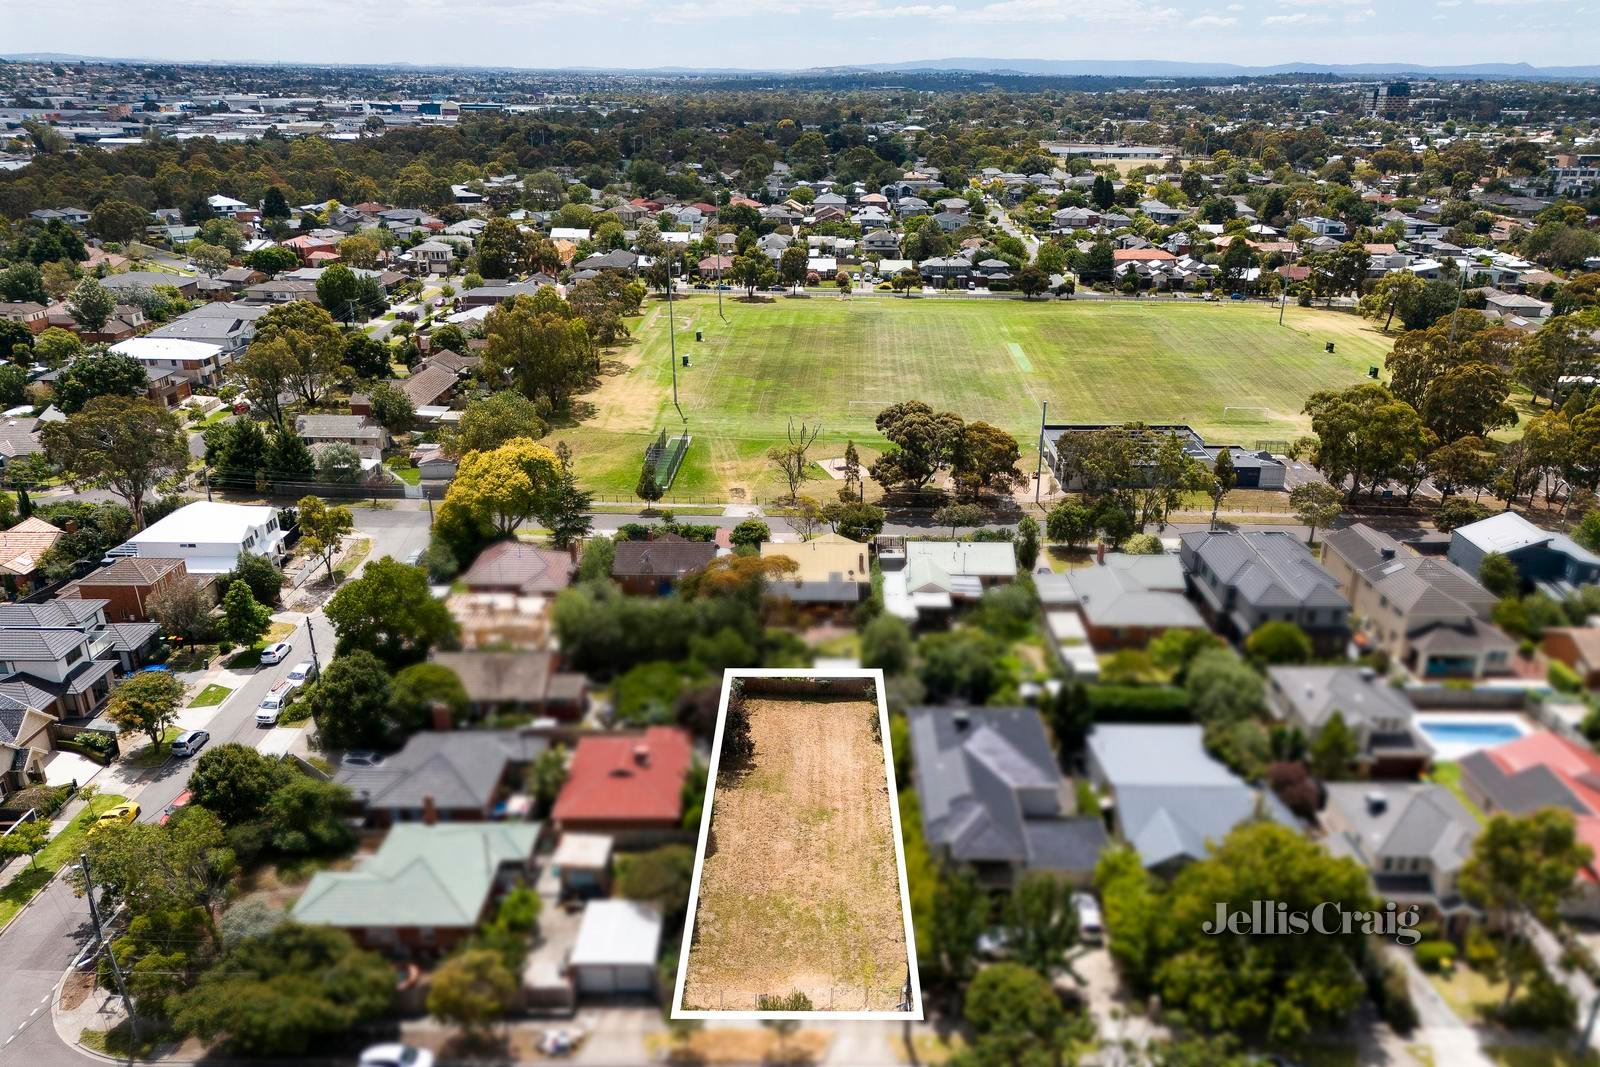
(1478, 734)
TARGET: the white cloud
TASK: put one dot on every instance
(1360, 16)
(899, 11)
(1235, 7)
(1066, 10)
(1212, 22)
(1299, 18)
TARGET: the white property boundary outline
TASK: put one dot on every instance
(915, 1014)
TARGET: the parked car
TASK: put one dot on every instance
(190, 742)
(275, 653)
(272, 705)
(1091, 930)
(179, 801)
(120, 815)
(300, 674)
(414, 557)
(362, 758)
(396, 1055)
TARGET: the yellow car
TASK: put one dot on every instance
(121, 814)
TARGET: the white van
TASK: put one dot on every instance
(273, 703)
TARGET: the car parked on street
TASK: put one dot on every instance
(275, 653)
(120, 815)
(179, 801)
(272, 705)
(300, 674)
(190, 742)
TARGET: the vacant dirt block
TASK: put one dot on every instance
(800, 888)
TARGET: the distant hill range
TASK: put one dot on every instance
(1069, 68)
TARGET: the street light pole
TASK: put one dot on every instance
(1038, 472)
(672, 341)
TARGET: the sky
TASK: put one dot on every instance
(784, 34)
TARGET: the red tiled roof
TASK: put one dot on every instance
(527, 569)
(608, 780)
(1577, 767)
(1142, 255)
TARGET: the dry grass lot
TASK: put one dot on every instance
(800, 891)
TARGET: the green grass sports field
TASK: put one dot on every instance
(1227, 369)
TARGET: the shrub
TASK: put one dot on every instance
(1393, 998)
(1143, 544)
(1136, 703)
(1563, 678)
(795, 1001)
(1544, 1004)
(1435, 955)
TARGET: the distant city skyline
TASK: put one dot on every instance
(789, 34)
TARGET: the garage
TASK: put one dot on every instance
(615, 953)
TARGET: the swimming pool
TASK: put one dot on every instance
(1454, 736)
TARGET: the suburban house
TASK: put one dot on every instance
(628, 785)
(1252, 468)
(229, 326)
(208, 536)
(519, 568)
(198, 361)
(34, 316)
(24, 743)
(1170, 798)
(444, 776)
(616, 948)
(21, 549)
(1552, 562)
(1411, 837)
(1578, 647)
(517, 682)
(993, 797)
(433, 256)
(1543, 770)
(834, 572)
(56, 669)
(940, 574)
(357, 431)
(1246, 579)
(1388, 742)
(652, 567)
(127, 585)
(121, 285)
(1424, 612)
(1126, 601)
(426, 889)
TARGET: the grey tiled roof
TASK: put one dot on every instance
(38, 645)
(1528, 790)
(63, 614)
(1267, 569)
(457, 769)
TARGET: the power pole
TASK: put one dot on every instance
(1038, 472)
(672, 341)
(1283, 299)
(111, 956)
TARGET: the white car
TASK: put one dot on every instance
(1091, 930)
(300, 674)
(396, 1055)
(275, 653)
(272, 705)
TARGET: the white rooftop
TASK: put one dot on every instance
(206, 522)
(150, 349)
(617, 932)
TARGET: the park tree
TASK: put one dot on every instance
(1069, 523)
(352, 703)
(96, 374)
(502, 489)
(1563, 345)
(91, 304)
(923, 443)
(124, 444)
(566, 515)
(853, 519)
(490, 421)
(389, 612)
(323, 528)
(473, 989)
(985, 460)
(959, 516)
(236, 781)
(792, 265)
(537, 345)
(1031, 281)
(1363, 435)
(750, 533)
(649, 487)
(1223, 479)
(286, 993)
(1395, 291)
(1317, 504)
(791, 459)
(146, 703)
(244, 620)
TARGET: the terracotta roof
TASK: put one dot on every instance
(1142, 255)
(133, 570)
(428, 384)
(512, 566)
(502, 677)
(23, 544)
(626, 778)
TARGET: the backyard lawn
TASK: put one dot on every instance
(30, 878)
(1227, 369)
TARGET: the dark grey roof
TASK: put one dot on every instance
(52, 614)
(1268, 568)
(457, 769)
(1528, 790)
(989, 788)
(131, 636)
(35, 646)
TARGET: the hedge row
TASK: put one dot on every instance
(1137, 703)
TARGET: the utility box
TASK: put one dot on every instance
(1328, 347)
(685, 361)
(699, 335)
